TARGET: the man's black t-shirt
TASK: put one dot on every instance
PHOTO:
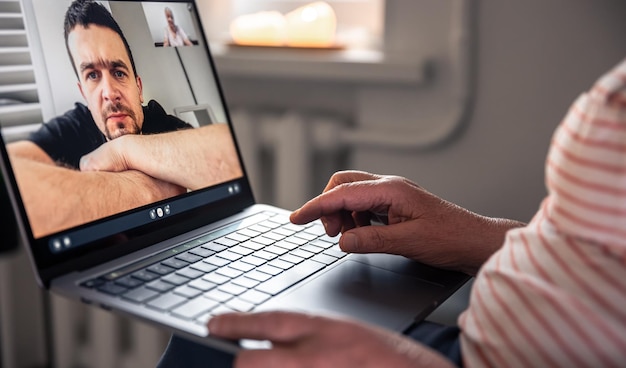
(74, 134)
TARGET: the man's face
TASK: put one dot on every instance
(106, 80)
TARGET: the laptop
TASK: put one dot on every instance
(177, 261)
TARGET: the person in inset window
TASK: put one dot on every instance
(174, 34)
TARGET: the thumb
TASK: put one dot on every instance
(393, 239)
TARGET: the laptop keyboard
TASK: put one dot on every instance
(230, 269)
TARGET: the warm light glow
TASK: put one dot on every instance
(263, 28)
(311, 25)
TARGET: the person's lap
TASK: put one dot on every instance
(184, 353)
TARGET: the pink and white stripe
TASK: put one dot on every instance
(555, 293)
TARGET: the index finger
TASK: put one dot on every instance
(359, 196)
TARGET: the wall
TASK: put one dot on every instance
(533, 58)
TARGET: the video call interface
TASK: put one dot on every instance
(175, 72)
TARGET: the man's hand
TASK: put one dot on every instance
(422, 226)
(300, 340)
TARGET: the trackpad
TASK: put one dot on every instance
(364, 292)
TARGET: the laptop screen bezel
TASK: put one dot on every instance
(49, 264)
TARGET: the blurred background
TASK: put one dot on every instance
(461, 96)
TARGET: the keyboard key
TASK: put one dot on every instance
(274, 235)
(242, 266)
(335, 253)
(187, 291)
(248, 232)
(255, 261)
(194, 308)
(254, 296)
(263, 240)
(217, 261)
(322, 243)
(111, 288)
(232, 289)
(203, 267)
(306, 236)
(260, 229)
(276, 250)
(229, 255)
(214, 247)
(190, 272)
(218, 295)
(294, 239)
(312, 248)
(226, 241)
(140, 294)
(240, 305)
(269, 269)
(128, 282)
(323, 258)
(245, 282)
(202, 252)
(221, 309)
(175, 279)
(216, 278)
(145, 275)
(175, 263)
(290, 277)
(279, 263)
(271, 223)
(301, 253)
(160, 269)
(229, 272)
(284, 232)
(251, 244)
(159, 285)
(259, 276)
(265, 255)
(166, 301)
(287, 245)
(291, 258)
(293, 227)
(93, 283)
(189, 257)
(202, 285)
(317, 230)
(237, 237)
(241, 250)
(333, 239)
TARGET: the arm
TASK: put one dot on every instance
(421, 225)
(57, 198)
(191, 158)
(310, 341)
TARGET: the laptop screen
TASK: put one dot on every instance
(134, 137)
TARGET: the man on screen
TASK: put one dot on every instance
(110, 145)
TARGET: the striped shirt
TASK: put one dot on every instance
(555, 293)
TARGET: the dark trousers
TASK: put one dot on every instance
(183, 353)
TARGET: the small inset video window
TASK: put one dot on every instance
(171, 24)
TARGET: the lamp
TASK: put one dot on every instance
(311, 25)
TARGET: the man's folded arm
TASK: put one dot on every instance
(191, 158)
(57, 198)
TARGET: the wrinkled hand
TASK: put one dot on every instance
(421, 225)
(300, 340)
(108, 157)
